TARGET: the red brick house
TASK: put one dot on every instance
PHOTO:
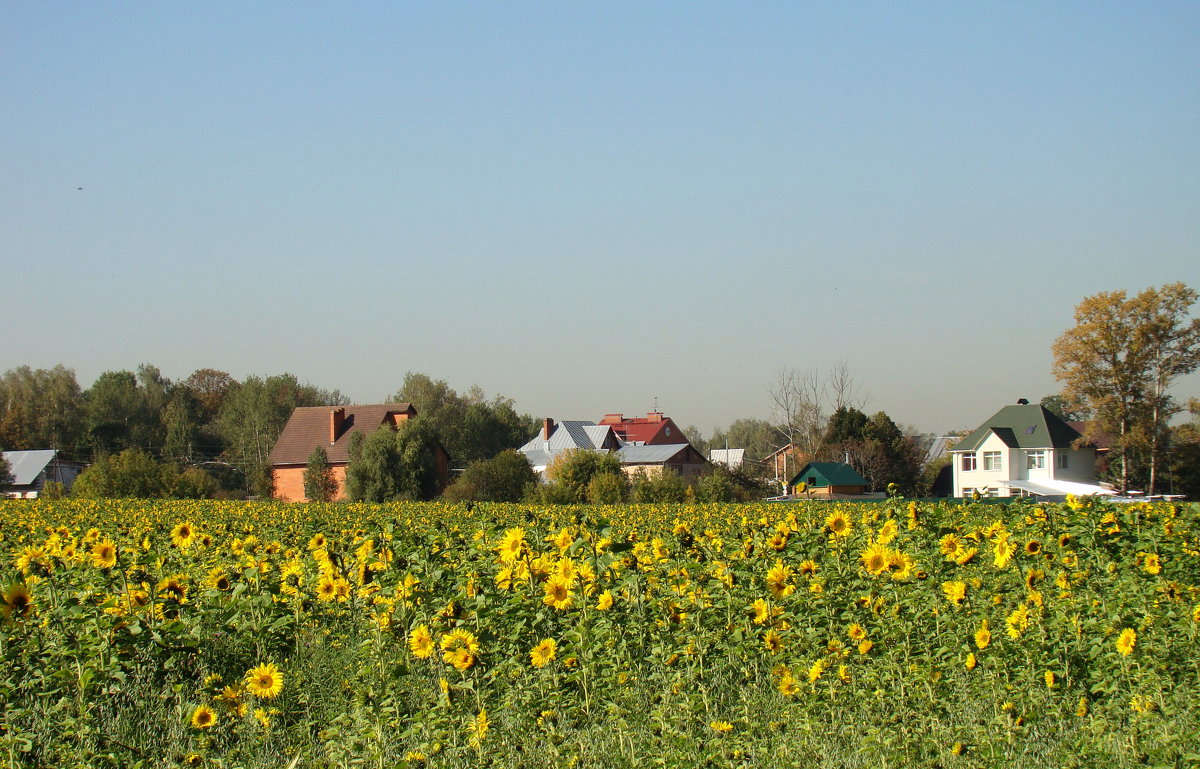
(332, 427)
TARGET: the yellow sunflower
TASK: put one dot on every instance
(264, 681)
(512, 544)
(183, 535)
(204, 717)
(838, 523)
(875, 559)
(18, 602)
(773, 641)
(1126, 641)
(459, 648)
(558, 594)
(420, 642)
(777, 580)
(956, 592)
(543, 653)
(104, 555)
(478, 728)
(983, 636)
(605, 601)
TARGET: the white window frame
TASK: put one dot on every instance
(993, 460)
(1035, 459)
(968, 457)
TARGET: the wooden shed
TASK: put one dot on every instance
(825, 479)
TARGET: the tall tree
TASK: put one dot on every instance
(394, 464)
(319, 483)
(1064, 409)
(1173, 344)
(6, 476)
(470, 425)
(41, 409)
(119, 415)
(1121, 356)
(252, 416)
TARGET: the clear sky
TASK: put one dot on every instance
(590, 206)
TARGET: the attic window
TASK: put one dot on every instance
(1029, 430)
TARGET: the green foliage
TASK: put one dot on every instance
(135, 474)
(875, 447)
(504, 478)
(608, 488)
(193, 483)
(573, 470)
(40, 409)
(659, 487)
(469, 425)
(122, 410)
(6, 476)
(52, 490)
(252, 416)
(394, 464)
(319, 483)
(715, 486)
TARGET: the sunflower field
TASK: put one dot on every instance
(891, 634)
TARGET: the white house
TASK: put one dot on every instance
(1024, 450)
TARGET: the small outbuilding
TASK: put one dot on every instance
(827, 479)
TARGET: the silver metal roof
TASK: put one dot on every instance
(644, 455)
(26, 465)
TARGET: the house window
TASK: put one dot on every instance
(1036, 460)
(1062, 461)
(966, 492)
(992, 461)
(968, 461)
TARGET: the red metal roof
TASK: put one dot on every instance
(652, 429)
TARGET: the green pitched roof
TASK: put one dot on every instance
(829, 474)
(1023, 426)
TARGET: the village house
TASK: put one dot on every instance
(1024, 450)
(650, 445)
(32, 470)
(332, 428)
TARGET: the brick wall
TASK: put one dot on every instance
(289, 483)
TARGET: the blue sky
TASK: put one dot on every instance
(590, 207)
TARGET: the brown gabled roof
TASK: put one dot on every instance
(309, 426)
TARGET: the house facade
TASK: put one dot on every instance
(649, 445)
(1024, 450)
(332, 428)
(32, 470)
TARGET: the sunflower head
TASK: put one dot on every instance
(264, 681)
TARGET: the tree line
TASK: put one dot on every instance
(213, 424)
(213, 433)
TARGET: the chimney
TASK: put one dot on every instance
(337, 418)
(654, 416)
(547, 428)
